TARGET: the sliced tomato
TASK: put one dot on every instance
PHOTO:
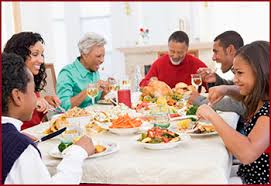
(165, 139)
(150, 134)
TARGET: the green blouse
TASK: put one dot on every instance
(71, 80)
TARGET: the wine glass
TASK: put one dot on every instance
(92, 92)
(196, 80)
(114, 86)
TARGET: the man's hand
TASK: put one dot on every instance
(194, 95)
(217, 93)
(86, 143)
(207, 75)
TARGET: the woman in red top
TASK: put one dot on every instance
(30, 46)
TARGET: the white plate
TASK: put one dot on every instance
(111, 147)
(104, 102)
(124, 131)
(191, 133)
(161, 146)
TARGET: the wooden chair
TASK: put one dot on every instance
(50, 88)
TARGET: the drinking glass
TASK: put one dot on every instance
(196, 80)
(92, 92)
(114, 86)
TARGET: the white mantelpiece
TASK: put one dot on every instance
(147, 54)
(162, 48)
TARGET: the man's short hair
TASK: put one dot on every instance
(180, 37)
(230, 38)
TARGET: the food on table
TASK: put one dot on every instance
(183, 88)
(94, 127)
(102, 116)
(184, 124)
(203, 128)
(57, 124)
(159, 135)
(161, 101)
(61, 121)
(62, 146)
(192, 110)
(76, 112)
(125, 121)
(156, 88)
(99, 148)
(142, 105)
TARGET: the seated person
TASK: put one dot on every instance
(251, 78)
(21, 157)
(30, 46)
(73, 79)
(225, 47)
(176, 66)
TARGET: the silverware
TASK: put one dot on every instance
(49, 136)
(58, 109)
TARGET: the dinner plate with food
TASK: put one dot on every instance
(158, 138)
(194, 128)
(102, 148)
(125, 125)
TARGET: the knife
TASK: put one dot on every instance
(49, 136)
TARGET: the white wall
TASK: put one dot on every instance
(251, 19)
(36, 17)
(7, 23)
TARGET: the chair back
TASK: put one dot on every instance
(50, 88)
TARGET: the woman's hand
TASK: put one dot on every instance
(53, 100)
(104, 86)
(205, 112)
(42, 105)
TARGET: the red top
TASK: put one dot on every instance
(171, 74)
(36, 117)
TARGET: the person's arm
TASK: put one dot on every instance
(78, 99)
(221, 81)
(152, 73)
(64, 90)
(53, 100)
(245, 148)
(29, 168)
(218, 92)
(227, 104)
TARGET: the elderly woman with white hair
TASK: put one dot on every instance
(73, 79)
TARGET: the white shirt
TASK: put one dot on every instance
(29, 168)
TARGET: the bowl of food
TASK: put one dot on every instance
(78, 116)
(125, 125)
(157, 138)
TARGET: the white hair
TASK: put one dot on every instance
(88, 41)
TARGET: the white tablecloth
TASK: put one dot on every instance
(203, 160)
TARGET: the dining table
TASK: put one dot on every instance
(203, 159)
